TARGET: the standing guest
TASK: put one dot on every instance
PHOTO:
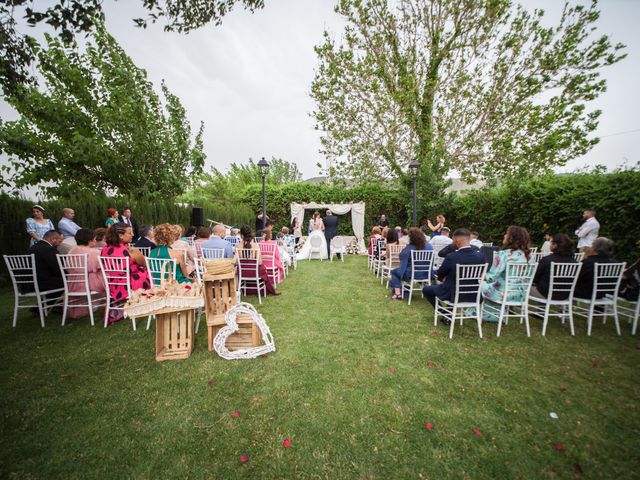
(561, 252)
(546, 246)
(112, 217)
(118, 238)
(438, 242)
(403, 272)
(165, 235)
(589, 230)
(383, 222)
(85, 243)
(475, 241)
(101, 233)
(127, 219)
(437, 228)
(146, 239)
(68, 228)
(404, 237)
(183, 245)
(248, 244)
(38, 225)
(601, 251)
(376, 233)
(217, 241)
(203, 234)
(275, 260)
(464, 255)
(48, 274)
(259, 223)
(515, 249)
(296, 229)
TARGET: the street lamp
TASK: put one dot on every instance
(263, 166)
(413, 168)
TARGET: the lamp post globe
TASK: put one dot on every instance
(263, 167)
(414, 166)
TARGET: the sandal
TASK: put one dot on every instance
(396, 297)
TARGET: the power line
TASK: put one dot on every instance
(620, 133)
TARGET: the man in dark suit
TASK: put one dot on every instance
(126, 217)
(48, 274)
(464, 255)
(146, 237)
(330, 229)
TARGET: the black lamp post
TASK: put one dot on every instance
(413, 168)
(263, 166)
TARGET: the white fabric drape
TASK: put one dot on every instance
(357, 216)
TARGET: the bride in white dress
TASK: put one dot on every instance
(315, 242)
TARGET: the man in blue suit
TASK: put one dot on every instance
(464, 255)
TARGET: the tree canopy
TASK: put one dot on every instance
(97, 124)
(480, 86)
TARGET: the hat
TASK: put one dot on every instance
(38, 207)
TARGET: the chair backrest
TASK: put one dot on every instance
(248, 264)
(156, 266)
(190, 240)
(562, 280)
(145, 251)
(374, 245)
(533, 250)
(267, 249)
(74, 271)
(421, 262)
(22, 269)
(199, 268)
(381, 248)
(487, 244)
(518, 280)
(394, 255)
(315, 241)
(232, 240)
(468, 279)
(213, 253)
(536, 256)
(607, 278)
(578, 257)
(115, 271)
(183, 252)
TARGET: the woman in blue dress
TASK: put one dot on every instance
(417, 241)
(38, 225)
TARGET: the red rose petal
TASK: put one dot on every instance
(244, 458)
(477, 432)
(392, 370)
(210, 382)
(430, 364)
(436, 333)
(559, 446)
(236, 414)
(626, 348)
(577, 468)
(563, 389)
(596, 362)
(429, 426)
(637, 346)
(286, 443)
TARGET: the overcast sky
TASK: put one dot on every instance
(249, 79)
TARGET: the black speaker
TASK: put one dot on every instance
(197, 216)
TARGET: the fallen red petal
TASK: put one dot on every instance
(563, 389)
(236, 413)
(286, 443)
(596, 362)
(436, 333)
(392, 369)
(577, 468)
(559, 446)
(626, 348)
(477, 432)
(210, 382)
(429, 426)
(244, 458)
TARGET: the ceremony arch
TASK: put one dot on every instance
(356, 209)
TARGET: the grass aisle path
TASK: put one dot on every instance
(353, 382)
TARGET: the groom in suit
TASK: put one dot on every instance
(330, 229)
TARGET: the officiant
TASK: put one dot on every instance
(330, 229)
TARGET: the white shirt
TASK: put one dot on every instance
(438, 242)
(588, 232)
(476, 243)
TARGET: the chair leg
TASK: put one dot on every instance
(545, 320)
(435, 314)
(571, 326)
(615, 318)
(453, 322)
(41, 310)
(15, 310)
(499, 320)
(590, 319)
(525, 316)
(479, 319)
(90, 302)
(410, 293)
(106, 311)
(636, 314)
(65, 305)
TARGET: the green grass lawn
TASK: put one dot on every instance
(353, 382)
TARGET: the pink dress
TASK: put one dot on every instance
(96, 282)
(267, 262)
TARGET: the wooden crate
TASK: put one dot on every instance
(247, 336)
(219, 297)
(174, 334)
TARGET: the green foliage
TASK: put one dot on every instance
(98, 125)
(230, 186)
(555, 203)
(91, 212)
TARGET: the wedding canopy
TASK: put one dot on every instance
(356, 209)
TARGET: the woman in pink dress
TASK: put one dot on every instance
(118, 238)
(86, 242)
(267, 261)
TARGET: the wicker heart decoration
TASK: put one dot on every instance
(220, 340)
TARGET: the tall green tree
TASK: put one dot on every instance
(480, 86)
(97, 124)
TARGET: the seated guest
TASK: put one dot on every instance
(464, 255)
(375, 235)
(112, 217)
(392, 239)
(403, 272)
(281, 240)
(404, 237)
(68, 228)
(182, 244)
(248, 244)
(217, 241)
(438, 242)
(630, 285)
(475, 241)
(284, 231)
(275, 261)
(601, 251)
(48, 274)
(165, 235)
(515, 249)
(452, 248)
(235, 232)
(561, 252)
(190, 233)
(546, 246)
(146, 239)
(38, 225)
(202, 235)
(118, 239)
(85, 243)
(101, 233)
